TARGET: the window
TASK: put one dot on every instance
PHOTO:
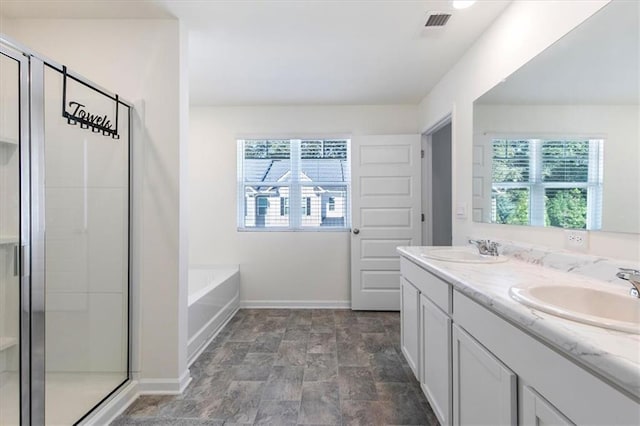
(547, 182)
(274, 174)
(284, 206)
(306, 206)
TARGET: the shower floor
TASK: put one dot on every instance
(68, 396)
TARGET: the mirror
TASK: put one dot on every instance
(557, 142)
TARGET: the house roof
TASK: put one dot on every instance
(325, 170)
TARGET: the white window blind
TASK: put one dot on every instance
(547, 182)
(274, 176)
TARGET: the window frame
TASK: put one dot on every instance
(294, 184)
(537, 187)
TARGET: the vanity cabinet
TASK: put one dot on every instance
(435, 358)
(484, 389)
(409, 323)
(477, 367)
(433, 335)
(535, 410)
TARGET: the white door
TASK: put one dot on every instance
(386, 214)
(482, 178)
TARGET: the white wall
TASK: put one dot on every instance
(617, 124)
(523, 30)
(275, 266)
(140, 60)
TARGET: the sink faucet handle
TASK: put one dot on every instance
(486, 247)
(633, 276)
(492, 247)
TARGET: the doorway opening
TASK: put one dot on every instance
(437, 229)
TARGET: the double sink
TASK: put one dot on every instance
(599, 307)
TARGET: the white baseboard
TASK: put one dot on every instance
(185, 379)
(114, 407)
(127, 395)
(295, 304)
(213, 336)
(164, 386)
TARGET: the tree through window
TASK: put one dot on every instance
(550, 182)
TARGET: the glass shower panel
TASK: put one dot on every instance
(86, 246)
(9, 231)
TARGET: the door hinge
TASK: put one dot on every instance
(422, 153)
(422, 217)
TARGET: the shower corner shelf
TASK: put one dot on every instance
(7, 342)
(5, 140)
(8, 239)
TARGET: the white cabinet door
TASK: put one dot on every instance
(537, 411)
(409, 323)
(484, 389)
(385, 214)
(435, 358)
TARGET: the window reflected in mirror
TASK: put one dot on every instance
(544, 182)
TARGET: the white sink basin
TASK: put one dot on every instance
(461, 255)
(582, 304)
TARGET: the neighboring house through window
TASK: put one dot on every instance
(275, 174)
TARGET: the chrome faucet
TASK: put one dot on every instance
(633, 276)
(486, 247)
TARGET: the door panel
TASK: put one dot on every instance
(380, 280)
(386, 214)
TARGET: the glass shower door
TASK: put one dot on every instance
(10, 299)
(86, 211)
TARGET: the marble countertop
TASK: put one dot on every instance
(613, 355)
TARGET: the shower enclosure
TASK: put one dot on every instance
(64, 241)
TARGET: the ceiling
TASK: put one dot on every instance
(595, 64)
(292, 52)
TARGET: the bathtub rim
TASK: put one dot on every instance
(227, 271)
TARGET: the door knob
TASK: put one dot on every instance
(356, 231)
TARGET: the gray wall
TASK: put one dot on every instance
(441, 186)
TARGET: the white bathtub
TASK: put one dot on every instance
(214, 296)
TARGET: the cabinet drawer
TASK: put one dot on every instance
(434, 288)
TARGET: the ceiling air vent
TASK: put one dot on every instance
(437, 19)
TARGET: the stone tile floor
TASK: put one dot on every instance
(296, 367)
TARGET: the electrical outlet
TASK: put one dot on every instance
(576, 240)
